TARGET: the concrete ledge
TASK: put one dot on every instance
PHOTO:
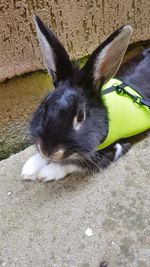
(45, 224)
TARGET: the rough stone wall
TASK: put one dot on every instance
(80, 24)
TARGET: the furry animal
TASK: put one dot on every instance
(72, 120)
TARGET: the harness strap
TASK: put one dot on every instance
(120, 89)
(129, 112)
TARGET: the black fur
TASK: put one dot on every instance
(52, 123)
(63, 64)
(136, 73)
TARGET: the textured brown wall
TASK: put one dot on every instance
(80, 24)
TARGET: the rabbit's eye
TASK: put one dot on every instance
(78, 119)
(81, 116)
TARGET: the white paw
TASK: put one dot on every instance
(51, 172)
(54, 171)
(32, 166)
(119, 151)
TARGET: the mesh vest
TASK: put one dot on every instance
(126, 117)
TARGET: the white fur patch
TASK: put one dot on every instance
(77, 125)
(55, 171)
(119, 151)
(32, 166)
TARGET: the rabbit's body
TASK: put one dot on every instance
(136, 73)
(72, 121)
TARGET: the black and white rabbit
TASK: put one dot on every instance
(73, 120)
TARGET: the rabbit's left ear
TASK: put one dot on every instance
(106, 59)
(55, 56)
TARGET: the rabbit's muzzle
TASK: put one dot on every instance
(58, 155)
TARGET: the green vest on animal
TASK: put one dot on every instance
(126, 117)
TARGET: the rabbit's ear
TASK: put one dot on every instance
(106, 59)
(54, 54)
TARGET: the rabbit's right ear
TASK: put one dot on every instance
(54, 54)
(104, 62)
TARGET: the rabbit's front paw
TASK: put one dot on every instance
(32, 167)
(55, 171)
(52, 172)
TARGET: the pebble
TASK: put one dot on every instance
(89, 232)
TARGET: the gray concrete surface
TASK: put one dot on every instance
(44, 225)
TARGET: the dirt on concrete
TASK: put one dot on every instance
(44, 225)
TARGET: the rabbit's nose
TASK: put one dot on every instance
(58, 155)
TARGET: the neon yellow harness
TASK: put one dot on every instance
(126, 117)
